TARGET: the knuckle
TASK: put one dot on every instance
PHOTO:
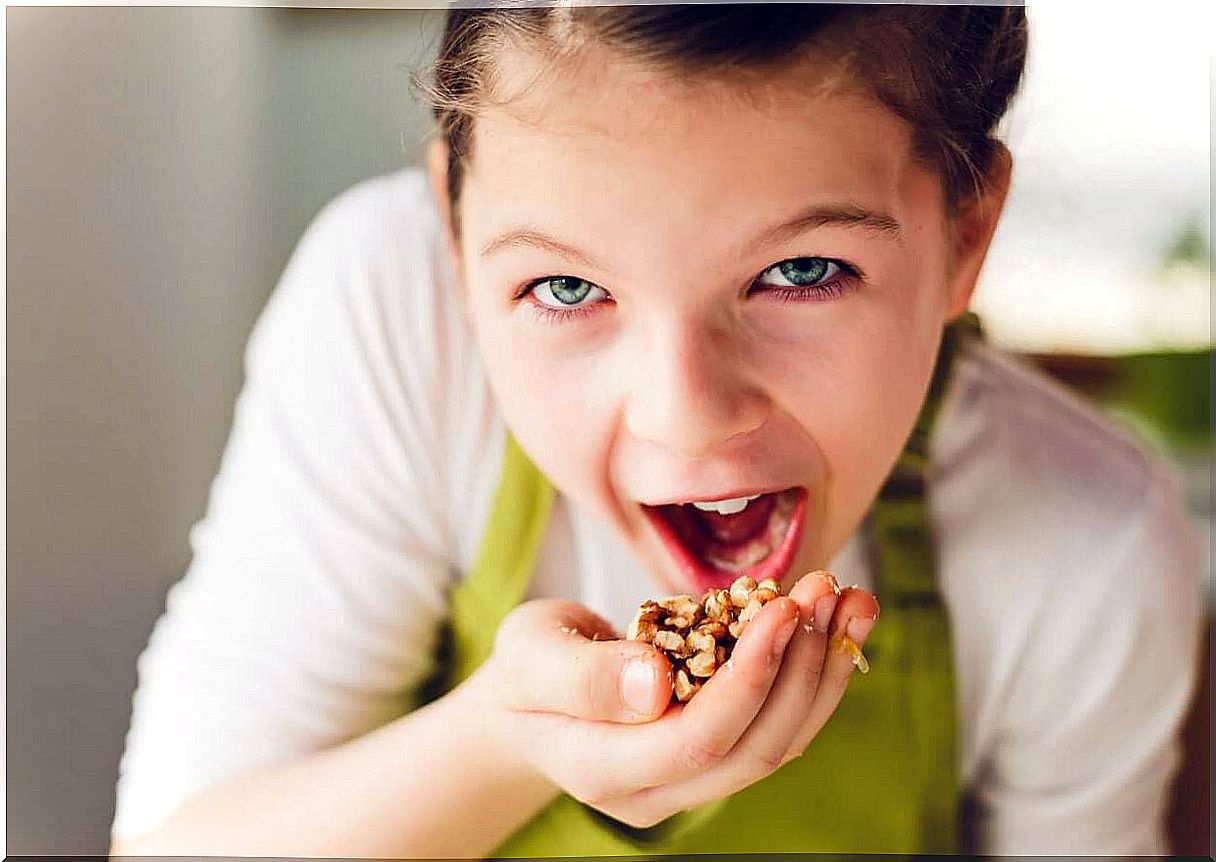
(766, 760)
(587, 687)
(697, 756)
(511, 625)
(592, 792)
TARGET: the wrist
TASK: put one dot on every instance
(494, 734)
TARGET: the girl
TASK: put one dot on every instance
(679, 296)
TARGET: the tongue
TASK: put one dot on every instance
(740, 527)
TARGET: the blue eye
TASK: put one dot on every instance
(803, 271)
(809, 278)
(564, 291)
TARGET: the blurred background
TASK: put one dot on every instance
(162, 162)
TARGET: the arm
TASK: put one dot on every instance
(1089, 744)
(429, 784)
(318, 576)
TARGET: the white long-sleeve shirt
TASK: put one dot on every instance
(358, 478)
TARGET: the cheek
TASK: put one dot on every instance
(855, 383)
(548, 399)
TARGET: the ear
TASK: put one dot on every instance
(437, 175)
(972, 234)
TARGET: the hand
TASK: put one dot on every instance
(592, 715)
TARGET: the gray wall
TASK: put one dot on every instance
(161, 164)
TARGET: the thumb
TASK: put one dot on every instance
(559, 656)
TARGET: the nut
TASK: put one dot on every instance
(683, 688)
(700, 641)
(680, 621)
(703, 663)
(671, 642)
(697, 637)
(681, 606)
(642, 630)
(766, 590)
(741, 591)
(717, 604)
(754, 604)
(649, 612)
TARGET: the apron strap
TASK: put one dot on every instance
(900, 528)
(519, 514)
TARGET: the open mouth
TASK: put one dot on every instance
(713, 548)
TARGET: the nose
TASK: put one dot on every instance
(691, 391)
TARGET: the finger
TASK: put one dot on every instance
(764, 746)
(727, 704)
(817, 594)
(856, 614)
(551, 660)
(688, 738)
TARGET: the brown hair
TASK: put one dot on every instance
(948, 71)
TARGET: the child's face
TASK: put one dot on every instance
(682, 346)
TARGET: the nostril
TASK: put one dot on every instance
(690, 435)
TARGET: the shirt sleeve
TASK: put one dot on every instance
(1085, 758)
(318, 572)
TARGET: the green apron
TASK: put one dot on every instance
(881, 776)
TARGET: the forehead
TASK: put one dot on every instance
(618, 135)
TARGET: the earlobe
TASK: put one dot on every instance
(974, 229)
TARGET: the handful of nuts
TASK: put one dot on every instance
(697, 636)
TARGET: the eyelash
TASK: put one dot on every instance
(847, 279)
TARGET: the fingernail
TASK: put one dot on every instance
(638, 681)
(783, 636)
(859, 629)
(831, 581)
(823, 612)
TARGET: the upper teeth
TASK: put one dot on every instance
(727, 507)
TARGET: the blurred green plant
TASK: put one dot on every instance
(1189, 246)
(1167, 395)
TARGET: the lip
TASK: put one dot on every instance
(716, 497)
(705, 577)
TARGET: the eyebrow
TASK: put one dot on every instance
(845, 215)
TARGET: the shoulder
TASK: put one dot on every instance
(383, 240)
(1064, 544)
(370, 269)
(1046, 449)
(377, 204)
(1041, 500)
(376, 236)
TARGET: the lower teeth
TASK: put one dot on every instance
(759, 548)
(752, 554)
